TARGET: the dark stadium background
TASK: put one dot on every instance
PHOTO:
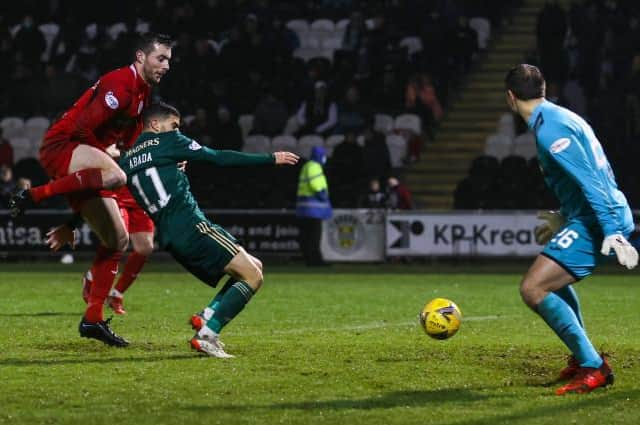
(417, 86)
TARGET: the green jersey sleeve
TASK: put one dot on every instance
(189, 149)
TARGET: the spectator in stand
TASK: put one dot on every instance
(29, 42)
(346, 162)
(573, 95)
(6, 151)
(375, 197)
(398, 195)
(376, 158)
(282, 39)
(421, 99)
(388, 96)
(353, 115)
(202, 128)
(58, 91)
(227, 133)
(270, 117)
(318, 114)
(551, 26)
(355, 35)
(7, 185)
(465, 44)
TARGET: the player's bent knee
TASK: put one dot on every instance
(142, 246)
(530, 294)
(145, 250)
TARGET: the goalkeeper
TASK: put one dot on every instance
(203, 248)
(594, 222)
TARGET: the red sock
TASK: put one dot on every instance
(104, 269)
(132, 267)
(89, 178)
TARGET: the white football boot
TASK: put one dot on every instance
(210, 346)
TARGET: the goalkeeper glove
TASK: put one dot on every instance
(626, 253)
(545, 231)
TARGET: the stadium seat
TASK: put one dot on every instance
(413, 45)
(342, 24)
(22, 148)
(49, 30)
(332, 43)
(37, 121)
(256, 144)
(309, 41)
(323, 25)
(12, 127)
(91, 30)
(284, 142)
(142, 26)
(498, 145)
(397, 149)
(34, 130)
(307, 53)
(408, 122)
(245, 122)
(299, 26)
(13, 30)
(525, 145)
(306, 143)
(383, 123)
(292, 125)
(188, 119)
(507, 125)
(116, 29)
(482, 26)
(332, 142)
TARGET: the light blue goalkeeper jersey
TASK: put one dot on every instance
(577, 170)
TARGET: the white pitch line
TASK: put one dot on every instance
(360, 327)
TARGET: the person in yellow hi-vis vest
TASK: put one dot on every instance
(313, 206)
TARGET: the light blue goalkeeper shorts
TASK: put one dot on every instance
(576, 248)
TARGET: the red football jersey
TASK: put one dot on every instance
(107, 113)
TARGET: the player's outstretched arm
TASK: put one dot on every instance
(189, 149)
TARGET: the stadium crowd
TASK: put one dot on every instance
(590, 55)
(250, 74)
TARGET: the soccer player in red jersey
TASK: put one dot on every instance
(74, 155)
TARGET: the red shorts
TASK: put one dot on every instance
(135, 218)
(55, 157)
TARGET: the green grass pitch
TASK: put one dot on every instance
(340, 346)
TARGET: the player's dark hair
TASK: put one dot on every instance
(525, 82)
(147, 41)
(159, 110)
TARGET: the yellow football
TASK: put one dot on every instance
(440, 318)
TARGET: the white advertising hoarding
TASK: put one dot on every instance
(462, 234)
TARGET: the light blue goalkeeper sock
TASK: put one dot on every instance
(564, 322)
(568, 294)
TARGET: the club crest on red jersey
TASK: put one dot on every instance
(111, 100)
